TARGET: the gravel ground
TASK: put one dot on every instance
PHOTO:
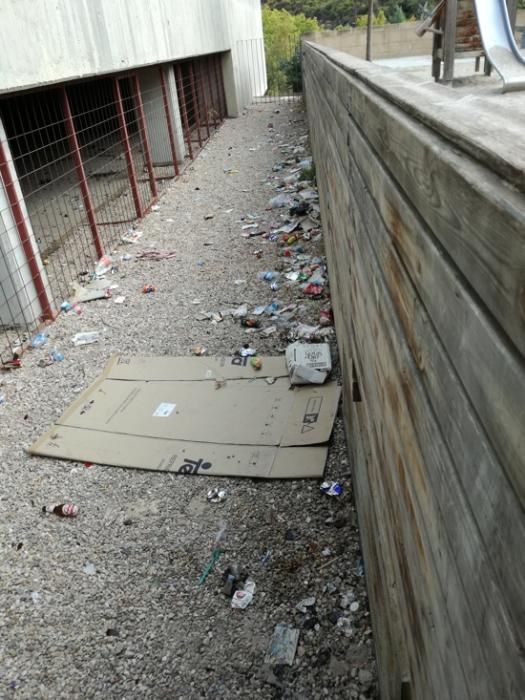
(107, 605)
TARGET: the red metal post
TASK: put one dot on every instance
(221, 83)
(23, 234)
(127, 147)
(180, 82)
(212, 81)
(196, 105)
(144, 137)
(81, 173)
(203, 93)
(216, 80)
(169, 122)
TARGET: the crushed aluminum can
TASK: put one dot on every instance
(331, 488)
(217, 495)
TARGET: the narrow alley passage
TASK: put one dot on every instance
(108, 604)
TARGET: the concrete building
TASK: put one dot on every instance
(101, 102)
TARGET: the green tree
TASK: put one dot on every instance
(282, 32)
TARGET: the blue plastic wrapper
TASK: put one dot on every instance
(332, 488)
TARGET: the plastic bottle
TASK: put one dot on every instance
(268, 275)
(38, 340)
(63, 510)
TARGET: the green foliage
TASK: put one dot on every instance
(282, 32)
(334, 13)
(396, 15)
(379, 19)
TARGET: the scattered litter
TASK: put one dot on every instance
(305, 604)
(280, 201)
(216, 495)
(15, 363)
(238, 283)
(54, 356)
(104, 265)
(242, 598)
(247, 351)
(131, 236)
(2, 399)
(89, 569)
(39, 340)
(198, 350)
(331, 488)
(86, 338)
(250, 322)
(267, 275)
(270, 380)
(249, 226)
(259, 310)
(300, 209)
(326, 317)
(96, 289)
(327, 552)
(155, 207)
(149, 289)
(269, 330)
(256, 363)
(120, 300)
(308, 364)
(64, 510)
(283, 645)
(35, 597)
(170, 221)
(218, 549)
(354, 607)
(251, 234)
(207, 217)
(220, 383)
(155, 254)
(196, 301)
(241, 311)
(230, 171)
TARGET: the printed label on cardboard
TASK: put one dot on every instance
(164, 410)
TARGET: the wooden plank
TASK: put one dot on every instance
(424, 615)
(481, 475)
(449, 39)
(373, 339)
(493, 255)
(486, 128)
(461, 322)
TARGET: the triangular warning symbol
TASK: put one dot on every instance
(307, 428)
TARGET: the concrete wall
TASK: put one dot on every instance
(423, 201)
(388, 41)
(51, 41)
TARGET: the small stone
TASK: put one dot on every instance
(354, 607)
(291, 535)
(304, 604)
(365, 676)
(112, 632)
(128, 521)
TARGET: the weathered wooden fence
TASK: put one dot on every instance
(424, 210)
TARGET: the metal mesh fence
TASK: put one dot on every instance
(272, 71)
(79, 166)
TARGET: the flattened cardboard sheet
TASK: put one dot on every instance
(166, 414)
